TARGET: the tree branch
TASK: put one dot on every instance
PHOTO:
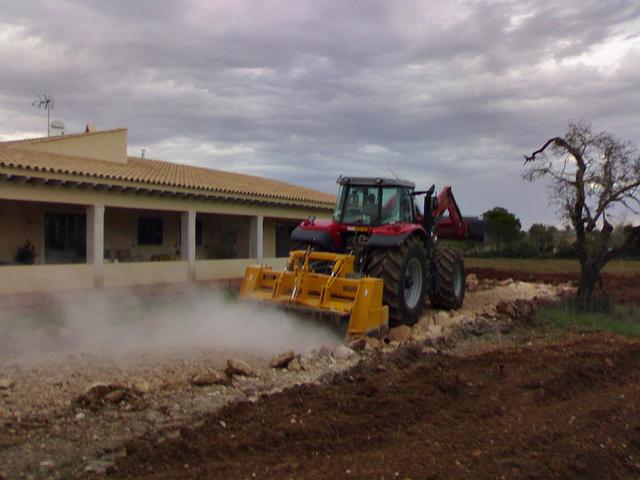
(544, 147)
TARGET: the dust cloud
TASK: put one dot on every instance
(174, 321)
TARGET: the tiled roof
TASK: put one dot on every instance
(157, 173)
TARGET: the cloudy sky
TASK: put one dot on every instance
(437, 91)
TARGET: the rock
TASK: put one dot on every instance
(306, 363)
(399, 334)
(326, 351)
(342, 352)
(6, 384)
(214, 377)
(419, 335)
(506, 308)
(424, 322)
(238, 367)
(467, 313)
(101, 394)
(282, 360)
(471, 283)
(392, 345)
(490, 312)
(174, 384)
(115, 396)
(99, 390)
(358, 344)
(435, 331)
(141, 387)
(456, 319)
(294, 365)
(518, 309)
(442, 318)
(374, 343)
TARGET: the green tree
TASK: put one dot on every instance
(504, 227)
(634, 244)
(591, 174)
(542, 237)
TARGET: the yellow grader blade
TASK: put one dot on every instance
(336, 294)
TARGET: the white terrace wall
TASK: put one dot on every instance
(42, 278)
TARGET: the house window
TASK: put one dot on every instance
(150, 231)
(228, 244)
(199, 232)
(65, 238)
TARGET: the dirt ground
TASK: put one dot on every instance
(568, 410)
(488, 397)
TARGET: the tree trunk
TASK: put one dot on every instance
(589, 276)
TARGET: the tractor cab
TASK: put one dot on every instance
(374, 202)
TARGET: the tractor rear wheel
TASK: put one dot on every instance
(403, 270)
(450, 268)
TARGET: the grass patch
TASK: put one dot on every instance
(619, 319)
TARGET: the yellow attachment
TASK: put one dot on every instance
(337, 294)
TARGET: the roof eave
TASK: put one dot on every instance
(35, 177)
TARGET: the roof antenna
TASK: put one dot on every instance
(47, 101)
(393, 173)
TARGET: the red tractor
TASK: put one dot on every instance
(379, 223)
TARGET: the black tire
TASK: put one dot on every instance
(450, 268)
(403, 270)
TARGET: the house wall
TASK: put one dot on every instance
(121, 235)
(230, 269)
(109, 146)
(130, 274)
(42, 278)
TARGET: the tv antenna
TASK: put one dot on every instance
(45, 101)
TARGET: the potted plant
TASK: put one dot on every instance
(26, 254)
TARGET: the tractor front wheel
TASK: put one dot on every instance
(403, 270)
(450, 268)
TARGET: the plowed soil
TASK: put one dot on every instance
(561, 407)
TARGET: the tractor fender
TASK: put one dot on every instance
(395, 239)
(318, 237)
(387, 241)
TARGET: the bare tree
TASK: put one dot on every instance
(591, 174)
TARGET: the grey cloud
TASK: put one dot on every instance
(304, 91)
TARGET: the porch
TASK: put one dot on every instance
(75, 247)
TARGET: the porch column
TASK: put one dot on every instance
(188, 243)
(257, 238)
(95, 243)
